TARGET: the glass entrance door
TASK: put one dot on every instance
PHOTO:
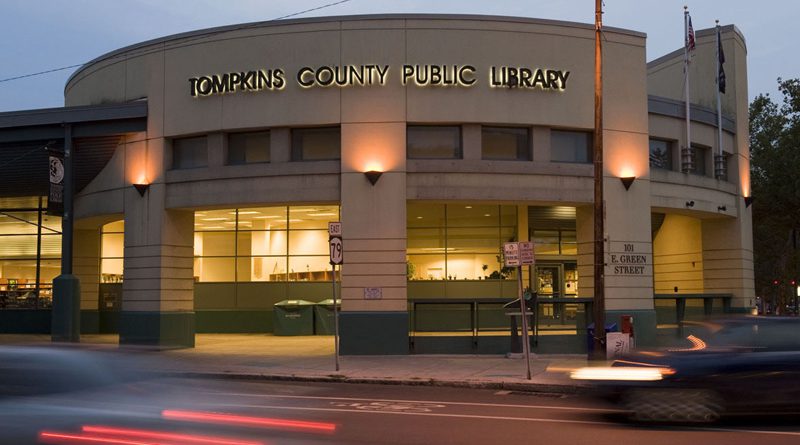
(547, 280)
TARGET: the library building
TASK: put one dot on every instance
(197, 174)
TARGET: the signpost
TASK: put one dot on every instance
(518, 255)
(336, 258)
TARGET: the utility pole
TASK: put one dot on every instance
(599, 350)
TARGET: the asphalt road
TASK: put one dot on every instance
(233, 412)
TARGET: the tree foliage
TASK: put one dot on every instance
(775, 179)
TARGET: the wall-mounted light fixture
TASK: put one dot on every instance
(722, 208)
(141, 188)
(748, 200)
(373, 176)
(628, 181)
(689, 203)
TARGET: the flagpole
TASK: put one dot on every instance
(686, 154)
(719, 164)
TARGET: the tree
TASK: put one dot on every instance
(775, 179)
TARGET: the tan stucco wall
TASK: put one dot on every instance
(373, 121)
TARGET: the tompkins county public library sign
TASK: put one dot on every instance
(326, 76)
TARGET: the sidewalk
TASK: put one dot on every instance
(259, 356)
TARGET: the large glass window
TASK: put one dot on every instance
(316, 144)
(433, 142)
(571, 146)
(248, 148)
(190, 152)
(458, 242)
(661, 154)
(112, 252)
(263, 244)
(30, 253)
(555, 242)
(505, 143)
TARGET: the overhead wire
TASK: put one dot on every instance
(181, 43)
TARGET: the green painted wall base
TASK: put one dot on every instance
(644, 325)
(161, 329)
(25, 321)
(66, 313)
(90, 322)
(373, 333)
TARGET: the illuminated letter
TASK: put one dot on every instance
(233, 79)
(278, 79)
(551, 79)
(525, 75)
(193, 89)
(436, 76)
(563, 76)
(538, 78)
(327, 81)
(341, 76)
(301, 75)
(462, 79)
(219, 83)
(357, 74)
(493, 81)
(408, 71)
(204, 86)
(382, 73)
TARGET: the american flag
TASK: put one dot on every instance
(690, 36)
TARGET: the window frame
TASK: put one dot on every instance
(459, 150)
(297, 151)
(527, 148)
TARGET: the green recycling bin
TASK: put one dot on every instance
(293, 317)
(323, 317)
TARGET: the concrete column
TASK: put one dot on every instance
(374, 318)
(86, 267)
(728, 260)
(158, 291)
(471, 141)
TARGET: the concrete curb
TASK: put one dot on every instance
(532, 387)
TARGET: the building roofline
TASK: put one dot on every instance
(344, 18)
(676, 108)
(701, 33)
(71, 115)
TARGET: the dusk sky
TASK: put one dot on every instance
(41, 35)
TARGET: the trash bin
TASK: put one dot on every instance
(293, 317)
(323, 317)
(610, 327)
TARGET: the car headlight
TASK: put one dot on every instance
(622, 373)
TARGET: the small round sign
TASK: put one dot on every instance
(56, 170)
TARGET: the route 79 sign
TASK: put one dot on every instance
(337, 254)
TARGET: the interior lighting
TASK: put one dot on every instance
(627, 181)
(215, 219)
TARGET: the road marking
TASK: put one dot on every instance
(405, 413)
(475, 416)
(356, 399)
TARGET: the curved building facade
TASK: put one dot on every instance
(258, 135)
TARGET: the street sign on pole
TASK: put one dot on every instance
(526, 253)
(335, 229)
(337, 256)
(511, 254)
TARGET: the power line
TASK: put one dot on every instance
(178, 44)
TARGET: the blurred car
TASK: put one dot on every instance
(39, 370)
(748, 365)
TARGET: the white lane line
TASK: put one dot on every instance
(356, 399)
(525, 419)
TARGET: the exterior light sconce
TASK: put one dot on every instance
(141, 188)
(748, 200)
(722, 208)
(689, 203)
(628, 181)
(373, 176)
